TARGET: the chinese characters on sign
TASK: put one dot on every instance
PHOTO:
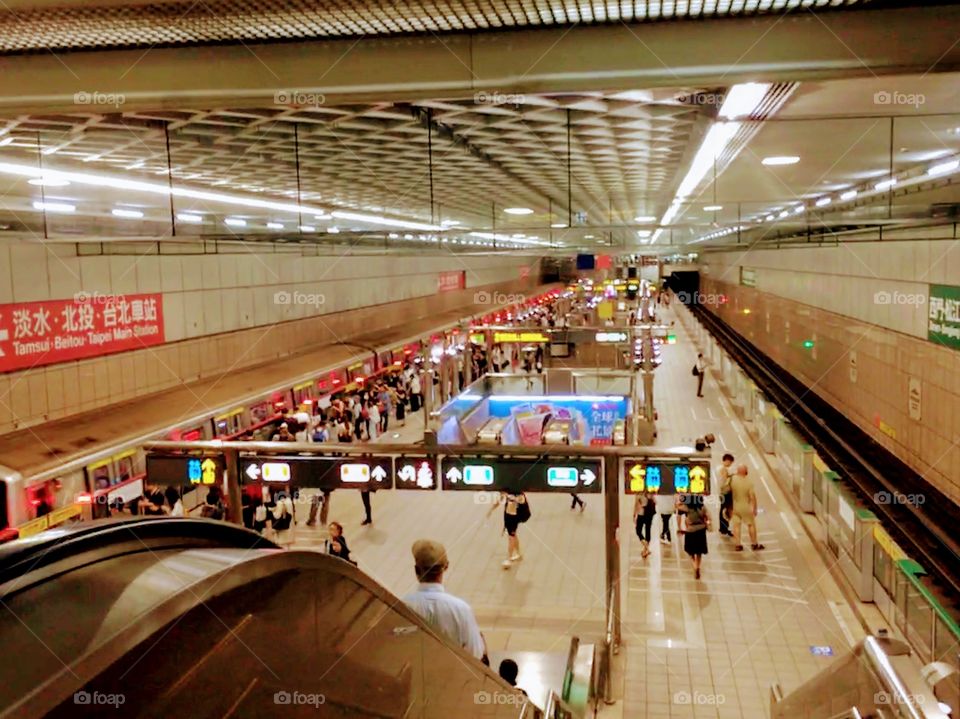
(943, 326)
(42, 333)
(603, 416)
(666, 476)
(455, 280)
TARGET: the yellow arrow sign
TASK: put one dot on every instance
(637, 471)
(209, 469)
(698, 476)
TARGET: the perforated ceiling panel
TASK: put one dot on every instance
(218, 21)
(624, 152)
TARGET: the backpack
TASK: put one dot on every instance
(523, 510)
(696, 371)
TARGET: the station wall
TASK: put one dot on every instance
(865, 309)
(233, 309)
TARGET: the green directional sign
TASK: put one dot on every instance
(943, 322)
(545, 474)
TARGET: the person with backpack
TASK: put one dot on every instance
(516, 511)
(213, 507)
(282, 519)
(696, 521)
(644, 510)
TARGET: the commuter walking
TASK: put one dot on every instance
(698, 371)
(696, 522)
(450, 616)
(644, 509)
(665, 504)
(744, 508)
(373, 419)
(401, 406)
(416, 396)
(336, 543)
(726, 496)
(575, 500)
(516, 511)
(281, 519)
(386, 407)
(368, 514)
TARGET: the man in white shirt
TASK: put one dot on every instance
(447, 614)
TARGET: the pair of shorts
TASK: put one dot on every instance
(510, 523)
(747, 519)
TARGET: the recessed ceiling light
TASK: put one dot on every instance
(781, 160)
(408, 237)
(307, 228)
(848, 195)
(588, 237)
(518, 211)
(49, 182)
(235, 222)
(644, 233)
(274, 226)
(54, 206)
(393, 236)
(187, 217)
(644, 218)
(322, 217)
(450, 223)
(886, 184)
(770, 218)
(798, 209)
(334, 230)
(783, 213)
(712, 208)
(130, 214)
(823, 201)
(944, 168)
(558, 225)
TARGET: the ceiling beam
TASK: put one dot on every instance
(793, 47)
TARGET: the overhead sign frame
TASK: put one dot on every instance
(533, 474)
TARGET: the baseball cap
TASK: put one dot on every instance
(428, 554)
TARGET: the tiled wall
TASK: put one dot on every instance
(865, 350)
(220, 313)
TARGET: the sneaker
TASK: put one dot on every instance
(664, 540)
(739, 547)
(365, 522)
(757, 547)
(516, 557)
(507, 564)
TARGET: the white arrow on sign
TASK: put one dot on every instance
(253, 471)
(379, 473)
(453, 474)
(588, 477)
(407, 473)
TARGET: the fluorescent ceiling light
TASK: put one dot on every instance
(518, 211)
(186, 217)
(235, 222)
(307, 228)
(944, 168)
(393, 235)
(644, 233)
(130, 214)
(644, 218)
(334, 230)
(770, 218)
(408, 237)
(54, 206)
(6, 141)
(558, 225)
(389, 222)
(274, 226)
(886, 184)
(712, 208)
(798, 209)
(713, 146)
(450, 223)
(848, 195)
(322, 216)
(783, 213)
(823, 201)
(49, 182)
(781, 160)
(742, 100)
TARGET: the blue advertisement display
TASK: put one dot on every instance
(593, 418)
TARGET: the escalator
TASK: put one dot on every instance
(167, 617)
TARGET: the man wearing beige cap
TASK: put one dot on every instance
(447, 614)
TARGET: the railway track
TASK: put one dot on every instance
(923, 530)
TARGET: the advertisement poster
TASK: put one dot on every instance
(447, 281)
(943, 325)
(33, 334)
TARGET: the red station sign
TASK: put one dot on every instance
(454, 280)
(33, 334)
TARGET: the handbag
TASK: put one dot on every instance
(523, 510)
(696, 371)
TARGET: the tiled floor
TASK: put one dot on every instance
(708, 648)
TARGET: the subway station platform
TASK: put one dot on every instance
(707, 648)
